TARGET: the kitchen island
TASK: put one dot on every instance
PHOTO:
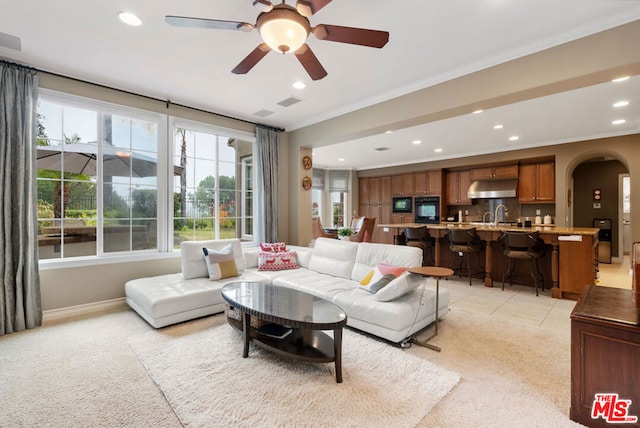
(570, 261)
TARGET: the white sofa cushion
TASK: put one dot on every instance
(333, 257)
(370, 255)
(192, 257)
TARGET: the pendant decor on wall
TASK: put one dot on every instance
(306, 182)
(307, 163)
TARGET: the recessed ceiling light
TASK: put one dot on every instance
(498, 126)
(416, 142)
(299, 85)
(620, 79)
(340, 159)
(514, 138)
(621, 104)
(478, 111)
(129, 18)
(388, 132)
(438, 150)
(618, 122)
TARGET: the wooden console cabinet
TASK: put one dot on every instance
(605, 352)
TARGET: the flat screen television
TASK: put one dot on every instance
(402, 204)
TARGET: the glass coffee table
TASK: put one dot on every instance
(290, 322)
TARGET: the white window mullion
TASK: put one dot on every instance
(165, 186)
(99, 188)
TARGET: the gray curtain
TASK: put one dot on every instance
(20, 306)
(267, 140)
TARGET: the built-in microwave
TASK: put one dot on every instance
(402, 204)
(427, 209)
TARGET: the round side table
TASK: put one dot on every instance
(437, 273)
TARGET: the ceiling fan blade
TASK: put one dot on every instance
(351, 35)
(252, 59)
(309, 7)
(310, 62)
(216, 24)
(263, 5)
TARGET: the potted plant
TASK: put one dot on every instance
(345, 233)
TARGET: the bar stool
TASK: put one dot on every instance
(421, 238)
(523, 246)
(463, 243)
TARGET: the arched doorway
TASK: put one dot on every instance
(597, 203)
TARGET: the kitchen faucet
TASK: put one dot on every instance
(504, 211)
(484, 215)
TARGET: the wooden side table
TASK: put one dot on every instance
(437, 273)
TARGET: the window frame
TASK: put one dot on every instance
(165, 127)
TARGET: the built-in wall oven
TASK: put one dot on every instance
(427, 209)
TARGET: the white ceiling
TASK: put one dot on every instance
(430, 42)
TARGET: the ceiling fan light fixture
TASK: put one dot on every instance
(283, 29)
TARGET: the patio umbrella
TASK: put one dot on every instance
(82, 159)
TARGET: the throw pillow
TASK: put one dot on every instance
(367, 277)
(274, 247)
(399, 287)
(220, 263)
(282, 260)
(383, 274)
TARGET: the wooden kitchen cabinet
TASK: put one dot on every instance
(501, 172)
(537, 183)
(428, 183)
(457, 185)
(402, 185)
(375, 201)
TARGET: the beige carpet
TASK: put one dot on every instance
(199, 368)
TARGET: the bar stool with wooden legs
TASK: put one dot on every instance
(421, 238)
(463, 243)
(523, 246)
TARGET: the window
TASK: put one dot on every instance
(96, 179)
(213, 194)
(111, 179)
(317, 191)
(247, 191)
(338, 188)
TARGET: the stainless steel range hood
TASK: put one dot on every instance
(493, 189)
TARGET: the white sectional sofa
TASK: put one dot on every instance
(332, 269)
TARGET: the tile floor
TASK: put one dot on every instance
(615, 274)
(519, 303)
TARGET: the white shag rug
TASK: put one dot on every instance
(199, 368)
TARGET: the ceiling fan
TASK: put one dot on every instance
(285, 29)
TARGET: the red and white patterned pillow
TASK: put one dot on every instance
(268, 260)
(274, 247)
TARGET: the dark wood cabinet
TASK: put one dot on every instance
(457, 185)
(605, 353)
(402, 185)
(537, 183)
(428, 183)
(501, 172)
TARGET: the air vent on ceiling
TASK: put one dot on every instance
(263, 113)
(382, 149)
(11, 42)
(289, 101)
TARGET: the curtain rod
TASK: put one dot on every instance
(167, 102)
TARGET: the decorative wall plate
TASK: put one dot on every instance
(306, 182)
(307, 163)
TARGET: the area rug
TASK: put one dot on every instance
(199, 368)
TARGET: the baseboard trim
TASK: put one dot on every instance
(71, 311)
